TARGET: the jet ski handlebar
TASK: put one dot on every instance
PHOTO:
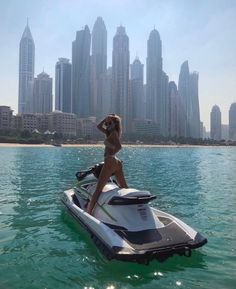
(95, 170)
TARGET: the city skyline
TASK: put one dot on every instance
(89, 74)
(203, 48)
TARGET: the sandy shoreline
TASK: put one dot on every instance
(47, 145)
(101, 145)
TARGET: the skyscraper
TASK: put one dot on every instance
(225, 131)
(107, 91)
(215, 123)
(136, 90)
(145, 100)
(120, 76)
(189, 115)
(63, 85)
(81, 73)
(173, 110)
(194, 113)
(154, 77)
(42, 94)
(184, 100)
(26, 71)
(232, 122)
(98, 66)
(203, 133)
(165, 106)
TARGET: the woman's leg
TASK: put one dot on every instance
(120, 175)
(107, 171)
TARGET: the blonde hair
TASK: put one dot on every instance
(117, 121)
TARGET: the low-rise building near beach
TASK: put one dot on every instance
(25, 121)
(87, 128)
(63, 123)
(146, 127)
(5, 117)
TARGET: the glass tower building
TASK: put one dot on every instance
(81, 103)
(154, 77)
(120, 76)
(63, 85)
(216, 123)
(232, 122)
(98, 66)
(26, 71)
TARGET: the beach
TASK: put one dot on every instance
(101, 145)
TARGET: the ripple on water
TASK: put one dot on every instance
(41, 246)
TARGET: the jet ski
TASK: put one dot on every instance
(124, 226)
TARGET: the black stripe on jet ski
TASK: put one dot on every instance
(121, 201)
(114, 227)
(145, 257)
(76, 201)
(170, 235)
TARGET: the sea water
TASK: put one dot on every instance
(42, 246)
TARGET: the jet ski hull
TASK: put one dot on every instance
(114, 241)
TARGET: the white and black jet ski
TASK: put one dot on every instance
(124, 226)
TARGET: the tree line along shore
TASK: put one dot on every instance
(27, 137)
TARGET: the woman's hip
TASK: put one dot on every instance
(112, 160)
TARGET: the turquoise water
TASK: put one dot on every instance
(41, 246)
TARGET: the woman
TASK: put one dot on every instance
(111, 126)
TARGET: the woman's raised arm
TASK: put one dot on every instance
(100, 126)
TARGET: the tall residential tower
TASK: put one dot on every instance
(194, 114)
(120, 76)
(107, 92)
(136, 90)
(173, 110)
(154, 77)
(216, 123)
(81, 73)
(184, 102)
(189, 114)
(98, 66)
(63, 85)
(26, 71)
(165, 106)
(42, 94)
(232, 122)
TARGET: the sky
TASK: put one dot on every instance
(200, 31)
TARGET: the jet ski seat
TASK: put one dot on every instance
(124, 196)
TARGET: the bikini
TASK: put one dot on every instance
(107, 146)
